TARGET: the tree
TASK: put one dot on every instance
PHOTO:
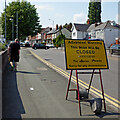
(94, 12)
(28, 20)
(0, 26)
(59, 40)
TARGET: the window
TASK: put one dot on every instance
(74, 34)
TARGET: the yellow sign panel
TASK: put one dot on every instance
(85, 54)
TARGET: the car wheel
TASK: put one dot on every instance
(46, 48)
(35, 48)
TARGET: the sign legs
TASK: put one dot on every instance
(69, 84)
(78, 93)
(74, 89)
(77, 90)
(102, 90)
(90, 81)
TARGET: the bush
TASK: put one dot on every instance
(2, 47)
(59, 40)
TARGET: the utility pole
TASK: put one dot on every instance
(12, 29)
(5, 21)
(53, 22)
(17, 24)
(53, 28)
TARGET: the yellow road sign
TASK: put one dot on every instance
(85, 54)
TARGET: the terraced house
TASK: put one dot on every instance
(108, 31)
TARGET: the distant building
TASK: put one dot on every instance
(79, 31)
(51, 34)
(108, 31)
(40, 37)
(54, 33)
(64, 31)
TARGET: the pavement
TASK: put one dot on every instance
(37, 91)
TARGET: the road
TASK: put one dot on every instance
(110, 76)
(37, 91)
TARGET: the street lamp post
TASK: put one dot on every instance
(12, 29)
(52, 21)
(5, 21)
(17, 24)
(53, 27)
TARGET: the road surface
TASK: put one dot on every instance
(110, 76)
(37, 91)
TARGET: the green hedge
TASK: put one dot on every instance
(2, 47)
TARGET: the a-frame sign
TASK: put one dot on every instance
(85, 55)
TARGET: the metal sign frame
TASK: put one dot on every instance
(77, 67)
(99, 72)
(77, 89)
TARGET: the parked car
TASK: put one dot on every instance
(50, 45)
(39, 46)
(115, 49)
(27, 44)
(22, 44)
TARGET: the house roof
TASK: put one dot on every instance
(108, 24)
(47, 29)
(81, 27)
(62, 29)
(52, 31)
(56, 31)
(101, 26)
(91, 27)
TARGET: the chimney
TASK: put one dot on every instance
(60, 27)
(56, 26)
(88, 21)
(96, 24)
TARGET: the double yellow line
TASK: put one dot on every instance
(97, 92)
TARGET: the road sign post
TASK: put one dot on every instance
(84, 55)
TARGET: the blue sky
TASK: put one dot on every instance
(66, 11)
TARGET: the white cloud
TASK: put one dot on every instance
(44, 7)
(79, 18)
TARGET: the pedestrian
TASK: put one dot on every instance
(13, 53)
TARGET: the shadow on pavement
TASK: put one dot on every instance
(101, 115)
(107, 114)
(27, 72)
(12, 106)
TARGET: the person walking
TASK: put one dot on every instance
(13, 53)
